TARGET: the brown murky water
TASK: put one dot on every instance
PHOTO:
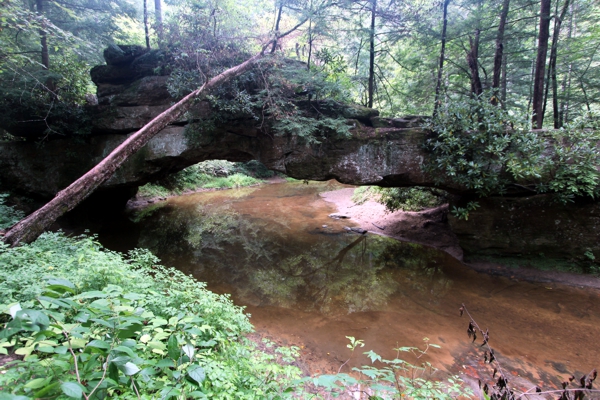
(307, 280)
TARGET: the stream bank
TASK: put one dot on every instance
(430, 227)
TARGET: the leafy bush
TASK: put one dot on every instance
(153, 190)
(486, 149)
(123, 327)
(411, 199)
(362, 194)
(212, 174)
(405, 199)
(8, 215)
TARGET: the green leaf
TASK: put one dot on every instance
(130, 369)
(98, 346)
(10, 396)
(165, 362)
(61, 285)
(113, 372)
(172, 347)
(37, 383)
(72, 389)
(197, 373)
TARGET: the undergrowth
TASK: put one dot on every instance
(405, 199)
(213, 174)
(91, 323)
(8, 215)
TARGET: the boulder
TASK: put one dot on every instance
(122, 54)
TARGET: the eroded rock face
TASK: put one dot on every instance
(535, 227)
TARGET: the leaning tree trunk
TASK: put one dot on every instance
(540, 65)
(438, 85)
(32, 226)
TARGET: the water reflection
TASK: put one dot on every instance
(253, 244)
(304, 278)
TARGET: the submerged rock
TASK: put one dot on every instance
(338, 216)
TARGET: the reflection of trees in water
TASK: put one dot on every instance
(315, 279)
(343, 272)
(418, 269)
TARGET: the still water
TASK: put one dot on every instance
(308, 281)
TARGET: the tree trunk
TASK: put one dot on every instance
(146, 24)
(498, 56)
(371, 89)
(566, 85)
(553, 57)
(438, 85)
(159, 21)
(33, 225)
(503, 83)
(540, 65)
(277, 21)
(473, 61)
(43, 37)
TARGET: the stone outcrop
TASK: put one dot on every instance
(535, 228)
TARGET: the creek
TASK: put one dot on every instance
(308, 281)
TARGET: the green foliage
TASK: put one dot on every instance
(8, 215)
(405, 199)
(124, 328)
(411, 199)
(463, 212)
(396, 378)
(153, 190)
(486, 149)
(362, 194)
(212, 174)
(36, 100)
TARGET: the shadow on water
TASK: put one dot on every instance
(305, 278)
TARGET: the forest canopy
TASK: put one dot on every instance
(532, 58)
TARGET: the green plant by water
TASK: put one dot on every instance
(212, 174)
(91, 323)
(405, 199)
(393, 379)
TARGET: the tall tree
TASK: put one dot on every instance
(146, 32)
(43, 36)
(553, 56)
(473, 62)
(159, 21)
(499, 54)
(371, 89)
(540, 64)
(438, 84)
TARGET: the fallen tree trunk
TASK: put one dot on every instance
(29, 228)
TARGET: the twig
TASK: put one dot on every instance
(486, 338)
(135, 387)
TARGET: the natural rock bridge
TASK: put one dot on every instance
(384, 152)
